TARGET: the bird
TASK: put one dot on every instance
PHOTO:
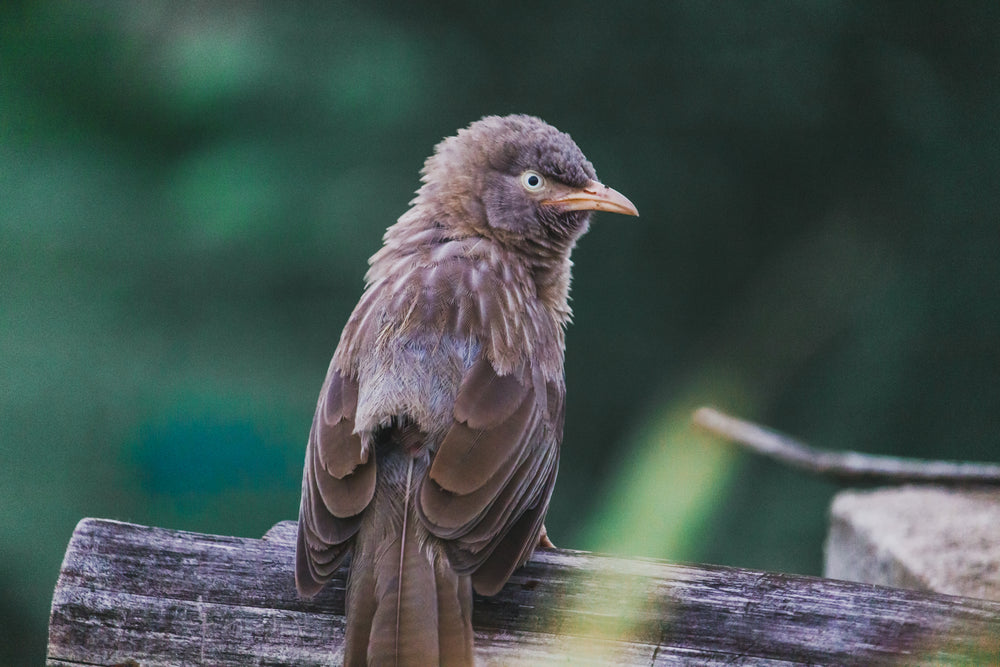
(435, 442)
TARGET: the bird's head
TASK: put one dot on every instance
(515, 179)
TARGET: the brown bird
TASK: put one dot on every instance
(435, 443)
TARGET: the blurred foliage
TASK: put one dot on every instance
(189, 191)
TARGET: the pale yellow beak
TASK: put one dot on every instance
(593, 196)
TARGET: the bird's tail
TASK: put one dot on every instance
(405, 604)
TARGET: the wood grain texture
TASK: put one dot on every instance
(167, 597)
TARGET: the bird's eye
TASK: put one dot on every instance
(532, 181)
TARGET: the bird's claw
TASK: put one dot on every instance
(543, 540)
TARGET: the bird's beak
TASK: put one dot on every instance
(593, 196)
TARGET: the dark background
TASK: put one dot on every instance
(189, 192)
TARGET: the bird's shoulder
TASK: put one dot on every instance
(464, 288)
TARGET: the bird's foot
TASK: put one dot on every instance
(543, 540)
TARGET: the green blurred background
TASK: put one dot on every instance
(189, 192)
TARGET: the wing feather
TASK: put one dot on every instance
(338, 482)
(488, 488)
(492, 419)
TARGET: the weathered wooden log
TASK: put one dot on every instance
(131, 594)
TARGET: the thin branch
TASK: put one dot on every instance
(845, 466)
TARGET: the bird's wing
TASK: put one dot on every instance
(337, 484)
(489, 485)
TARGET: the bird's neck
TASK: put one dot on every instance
(546, 262)
(550, 271)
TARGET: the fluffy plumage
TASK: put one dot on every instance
(435, 443)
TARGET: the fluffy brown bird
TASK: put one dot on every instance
(435, 443)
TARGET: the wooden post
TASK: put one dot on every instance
(131, 594)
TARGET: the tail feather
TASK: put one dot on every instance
(361, 605)
(405, 604)
(454, 598)
(404, 628)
